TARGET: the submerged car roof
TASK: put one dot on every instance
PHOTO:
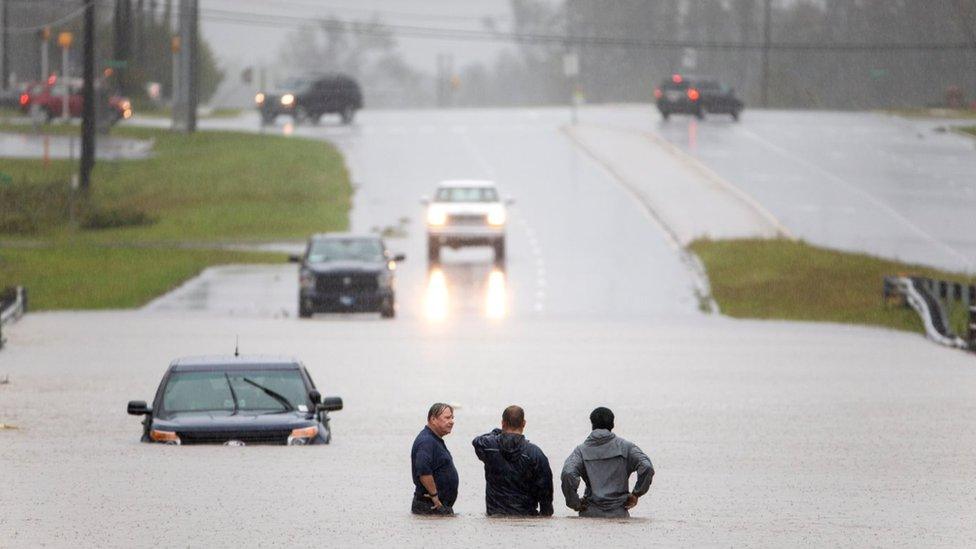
(344, 236)
(230, 362)
(467, 183)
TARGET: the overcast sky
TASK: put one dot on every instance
(239, 44)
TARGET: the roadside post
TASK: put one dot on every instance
(175, 45)
(972, 317)
(64, 41)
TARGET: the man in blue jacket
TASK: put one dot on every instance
(517, 474)
(435, 478)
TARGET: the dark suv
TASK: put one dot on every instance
(696, 95)
(347, 273)
(309, 97)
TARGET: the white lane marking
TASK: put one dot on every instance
(839, 181)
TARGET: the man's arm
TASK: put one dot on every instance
(638, 462)
(431, 487)
(424, 469)
(543, 484)
(572, 473)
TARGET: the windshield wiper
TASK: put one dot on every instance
(233, 394)
(277, 396)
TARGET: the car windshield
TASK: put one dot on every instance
(467, 194)
(294, 84)
(345, 249)
(211, 391)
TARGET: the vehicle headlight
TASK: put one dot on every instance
(301, 437)
(436, 216)
(496, 217)
(287, 99)
(306, 280)
(166, 437)
(259, 98)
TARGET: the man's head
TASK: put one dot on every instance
(440, 418)
(513, 419)
(601, 418)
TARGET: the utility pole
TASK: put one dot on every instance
(123, 24)
(193, 72)
(767, 30)
(88, 107)
(5, 44)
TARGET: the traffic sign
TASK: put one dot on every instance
(65, 39)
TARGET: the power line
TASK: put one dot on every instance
(64, 19)
(445, 33)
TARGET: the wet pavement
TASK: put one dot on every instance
(762, 433)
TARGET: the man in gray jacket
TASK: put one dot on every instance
(605, 462)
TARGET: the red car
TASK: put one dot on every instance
(48, 100)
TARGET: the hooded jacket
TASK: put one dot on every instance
(605, 462)
(517, 475)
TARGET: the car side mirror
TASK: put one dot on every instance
(138, 408)
(399, 257)
(509, 200)
(330, 404)
(294, 258)
(424, 200)
(315, 396)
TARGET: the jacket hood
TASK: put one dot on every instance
(599, 437)
(512, 445)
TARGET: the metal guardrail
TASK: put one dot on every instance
(13, 305)
(928, 297)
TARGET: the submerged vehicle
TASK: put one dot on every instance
(237, 401)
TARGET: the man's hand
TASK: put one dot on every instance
(437, 502)
(631, 501)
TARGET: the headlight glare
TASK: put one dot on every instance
(436, 216)
(496, 217)
(259, 98)
(287, 99)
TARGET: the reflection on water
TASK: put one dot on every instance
(693, 134)
(465, 289)
(289, 128)
(496, 304)
(435, 298)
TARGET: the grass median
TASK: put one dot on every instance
(787, 280)
(146, 224)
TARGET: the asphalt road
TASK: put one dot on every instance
(868, 182)
(763, 433)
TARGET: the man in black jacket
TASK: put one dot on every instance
(517, 474)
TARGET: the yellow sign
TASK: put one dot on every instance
(175, 44)
(65, 39)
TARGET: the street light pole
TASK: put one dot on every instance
(88, 105)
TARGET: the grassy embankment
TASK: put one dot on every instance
(148, 225)
(781, 279)
(969, 129)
